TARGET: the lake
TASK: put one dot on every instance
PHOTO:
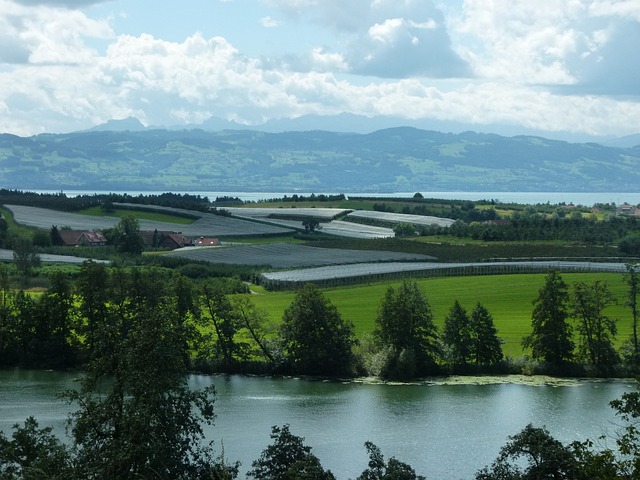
(444, 431)
(525, 198)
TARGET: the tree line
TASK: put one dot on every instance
(552, 338)
(524, 228)
(60, 201)
(61, 326)
(571, 332)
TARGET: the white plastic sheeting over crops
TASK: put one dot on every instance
(403, 218)
(288, 255)
(206, 225)
(364, 270)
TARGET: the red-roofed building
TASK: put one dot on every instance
(206, 242)
(164, 239)
(626, 209)
(72, 238)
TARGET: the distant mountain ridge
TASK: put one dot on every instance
(388, 160)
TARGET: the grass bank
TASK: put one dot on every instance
(508, 297)
(139, 214)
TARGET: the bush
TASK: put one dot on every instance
(630, 245)
(41, 239)
(404, 229)
(392, 364)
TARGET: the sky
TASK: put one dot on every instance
(545, 65)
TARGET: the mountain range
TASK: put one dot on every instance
(127, 156)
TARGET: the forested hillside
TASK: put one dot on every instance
(399, 159)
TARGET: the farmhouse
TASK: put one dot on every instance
(627, 209)
(206, 242)
(165, 240)
(72, 238)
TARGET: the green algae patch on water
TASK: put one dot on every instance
(531, 380)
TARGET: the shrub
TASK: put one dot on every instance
(630, 245)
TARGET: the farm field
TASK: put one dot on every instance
(279, 216)
(508, 297)
(322, 214)
(363, 271)
(146, 214)
(287, 255)
(401, 218)
(356, 230)
(7, 256)
(207, 224)
(290, 218)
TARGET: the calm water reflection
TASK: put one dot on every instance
(444, 431)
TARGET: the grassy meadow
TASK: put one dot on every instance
(140, 214)
(508, 297)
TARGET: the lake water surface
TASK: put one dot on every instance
(445, 431)
(524, 198)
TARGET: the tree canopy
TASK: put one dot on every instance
(315, 338)
(288, 458)
(405, 325)
(551, 338)
(146, 422)
(126, 236)
(457, 335)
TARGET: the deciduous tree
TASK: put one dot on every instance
(126, 236)
(56, 324)
(311, 224)
(392, 470)
(596, 329)
(136, 416)
(8, 344)
(34, 453)
(255, 321)
(288, 458)
(25, 256)
(316, 340)
(632, 279)
(404, 229)
(226, 323)
(93, 288)
(532, 454)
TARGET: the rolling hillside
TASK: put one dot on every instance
(398, 159)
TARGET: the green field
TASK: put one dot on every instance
(139, 214)
(508, 297)
(15, 228)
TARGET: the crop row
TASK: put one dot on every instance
(287, 255)
(207, 225)
(322, 214)
(402, 218)
(345, 274)
(7, 255)
(356, 230)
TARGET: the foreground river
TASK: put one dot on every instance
(444, 431)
